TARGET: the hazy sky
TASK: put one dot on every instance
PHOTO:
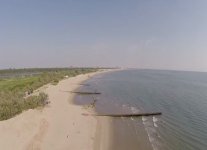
(159, 34)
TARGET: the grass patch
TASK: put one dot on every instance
(14, 89)
(12, 104)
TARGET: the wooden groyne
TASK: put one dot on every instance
(85, 93)
(126, 115)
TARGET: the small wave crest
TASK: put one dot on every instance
(134, 110)
(128, 108)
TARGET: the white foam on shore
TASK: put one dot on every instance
(155, 125)
(154, 121)
(144, 119)
(149, 125)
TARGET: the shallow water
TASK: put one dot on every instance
(180, 96)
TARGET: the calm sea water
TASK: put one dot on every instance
(180, 96)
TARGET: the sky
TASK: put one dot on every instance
(155, 34)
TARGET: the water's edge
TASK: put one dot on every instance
(181, 97)
(104, 128)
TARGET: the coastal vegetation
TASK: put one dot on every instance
(17, 87)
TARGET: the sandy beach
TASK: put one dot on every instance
(58, 126)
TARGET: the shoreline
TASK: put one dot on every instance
(103, 128)
(60, 125)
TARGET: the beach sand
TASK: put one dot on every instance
(58, 126)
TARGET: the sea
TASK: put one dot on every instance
(181, 96)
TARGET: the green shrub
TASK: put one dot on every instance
(11, 106)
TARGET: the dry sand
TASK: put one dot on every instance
(58, 126)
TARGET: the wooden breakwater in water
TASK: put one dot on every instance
(126, 115)
(83, 93)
